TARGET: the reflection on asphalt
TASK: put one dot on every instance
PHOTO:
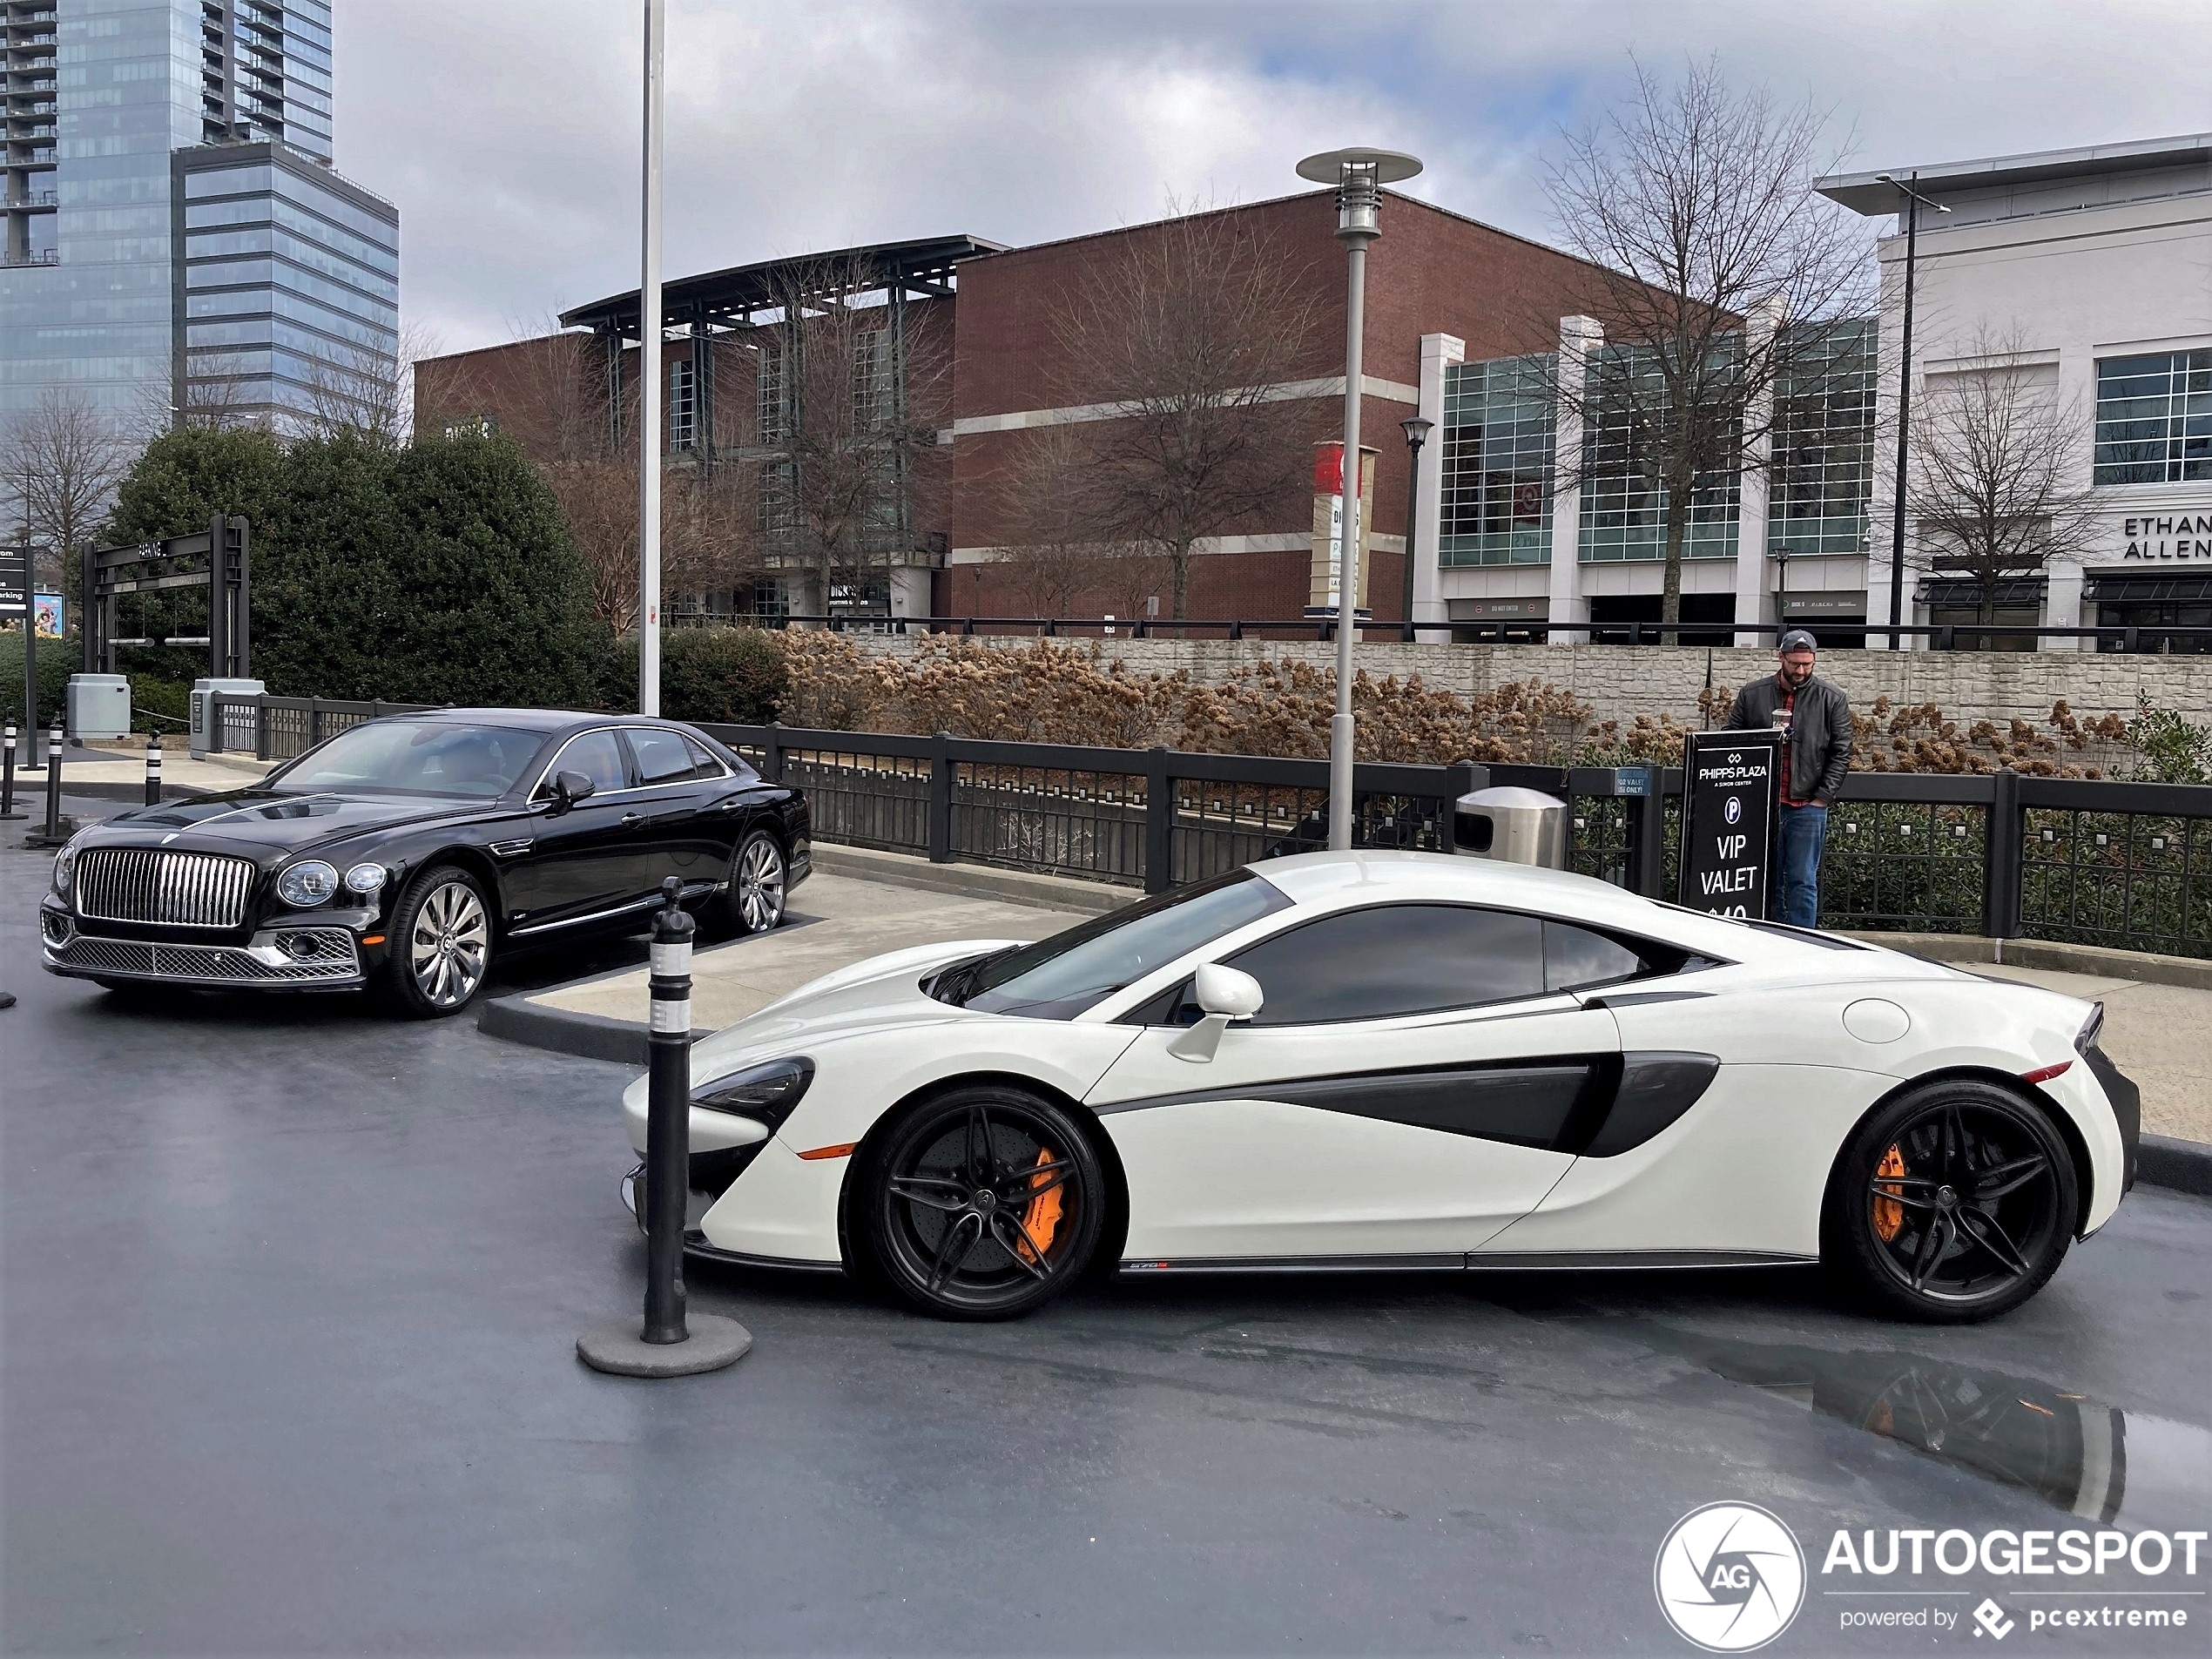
(2088, 1459)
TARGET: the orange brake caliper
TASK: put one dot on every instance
(1041, 1219)
(1889, 1215)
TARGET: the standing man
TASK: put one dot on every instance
(1815, 753)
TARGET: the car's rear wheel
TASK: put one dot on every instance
(759, 876)
(1954, 1203)
(440, 948)
(984, 1204)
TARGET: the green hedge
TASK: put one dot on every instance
(57, 660)
(732, 675)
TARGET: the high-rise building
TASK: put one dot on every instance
(177, 240)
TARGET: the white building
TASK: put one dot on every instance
(2093, 267)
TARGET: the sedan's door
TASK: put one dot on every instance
(672, 836)
(1409, 1089)
(576, 865)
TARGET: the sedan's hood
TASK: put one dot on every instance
(271, 822)
(871, 996)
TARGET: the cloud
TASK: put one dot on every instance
(507, 130)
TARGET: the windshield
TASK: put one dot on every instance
(414, 758)
(1058, 978)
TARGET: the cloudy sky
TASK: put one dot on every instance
(507, 130)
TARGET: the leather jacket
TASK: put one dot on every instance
(1820, 731)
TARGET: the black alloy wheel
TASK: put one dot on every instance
(439, 952)
(758, 875)
(984, 1204)
(1955, 1202)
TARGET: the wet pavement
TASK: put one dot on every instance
(288, 1305)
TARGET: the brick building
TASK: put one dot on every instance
(954, 348)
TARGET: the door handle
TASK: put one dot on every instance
(734, 804)
(631, 820)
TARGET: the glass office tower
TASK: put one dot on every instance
(112, 105)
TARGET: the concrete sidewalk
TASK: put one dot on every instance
(117, 771)
(834, 921)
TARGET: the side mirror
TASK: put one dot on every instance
(1224, 994)
(569, 787)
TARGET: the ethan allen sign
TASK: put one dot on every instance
(2180, 536)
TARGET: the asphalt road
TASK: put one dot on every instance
(290, 1296)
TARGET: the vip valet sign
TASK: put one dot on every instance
(1731, 781)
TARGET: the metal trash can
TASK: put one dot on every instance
(1514, 825)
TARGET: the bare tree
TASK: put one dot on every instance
(1996, 488)
(366, 392)
(64, 459)
(1054, 558)
(1189, 336)
(1718, 280)
(849, 401)
(552, 396)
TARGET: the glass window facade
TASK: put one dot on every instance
(1823, 468)
(2154, 418)
(683, 404)
(102, 285)
(1624, 509)
(1498, 431)
(321, 298)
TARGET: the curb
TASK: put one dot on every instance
(2182, 1166)
(972, 880)
(587, 1037)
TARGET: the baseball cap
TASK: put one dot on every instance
(1798, 639)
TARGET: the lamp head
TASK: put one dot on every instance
(1417, 430)
(1358, 174)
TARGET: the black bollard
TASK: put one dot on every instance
(670, 1343)
(54, 784)
(8, 772)
(668, 1117)
(153, 770)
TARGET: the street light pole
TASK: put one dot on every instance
(1913, 198)
(649, 394)
(1358, 175)
(1416, 431)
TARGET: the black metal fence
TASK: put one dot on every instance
(282, 727)
(2003, 854)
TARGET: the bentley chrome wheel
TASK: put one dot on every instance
(1960, 1200)
(986, 1203)
(449, 945)
(758, 880)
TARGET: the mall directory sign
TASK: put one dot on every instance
(15, 581)
(1731, 782)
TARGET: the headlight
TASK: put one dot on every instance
(765, 1093)
(305, 885)
(64, 867)
(365, 879)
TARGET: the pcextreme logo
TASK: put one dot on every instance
(1730, 1577)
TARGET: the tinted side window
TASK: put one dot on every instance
(704, 762)
(597, 756)
(663, 756)
(1396, 958)
(1575, 958)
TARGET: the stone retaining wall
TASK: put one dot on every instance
(1621, 682)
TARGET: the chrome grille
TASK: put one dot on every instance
(173, 889)
(334, 961)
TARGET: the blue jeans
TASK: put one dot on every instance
(1797, 895)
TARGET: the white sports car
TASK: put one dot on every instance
(1405, 1060)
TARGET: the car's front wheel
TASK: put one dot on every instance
(441, 944)
(1954, 1203)
(984, 1204)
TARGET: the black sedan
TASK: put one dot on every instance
(402, 853)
